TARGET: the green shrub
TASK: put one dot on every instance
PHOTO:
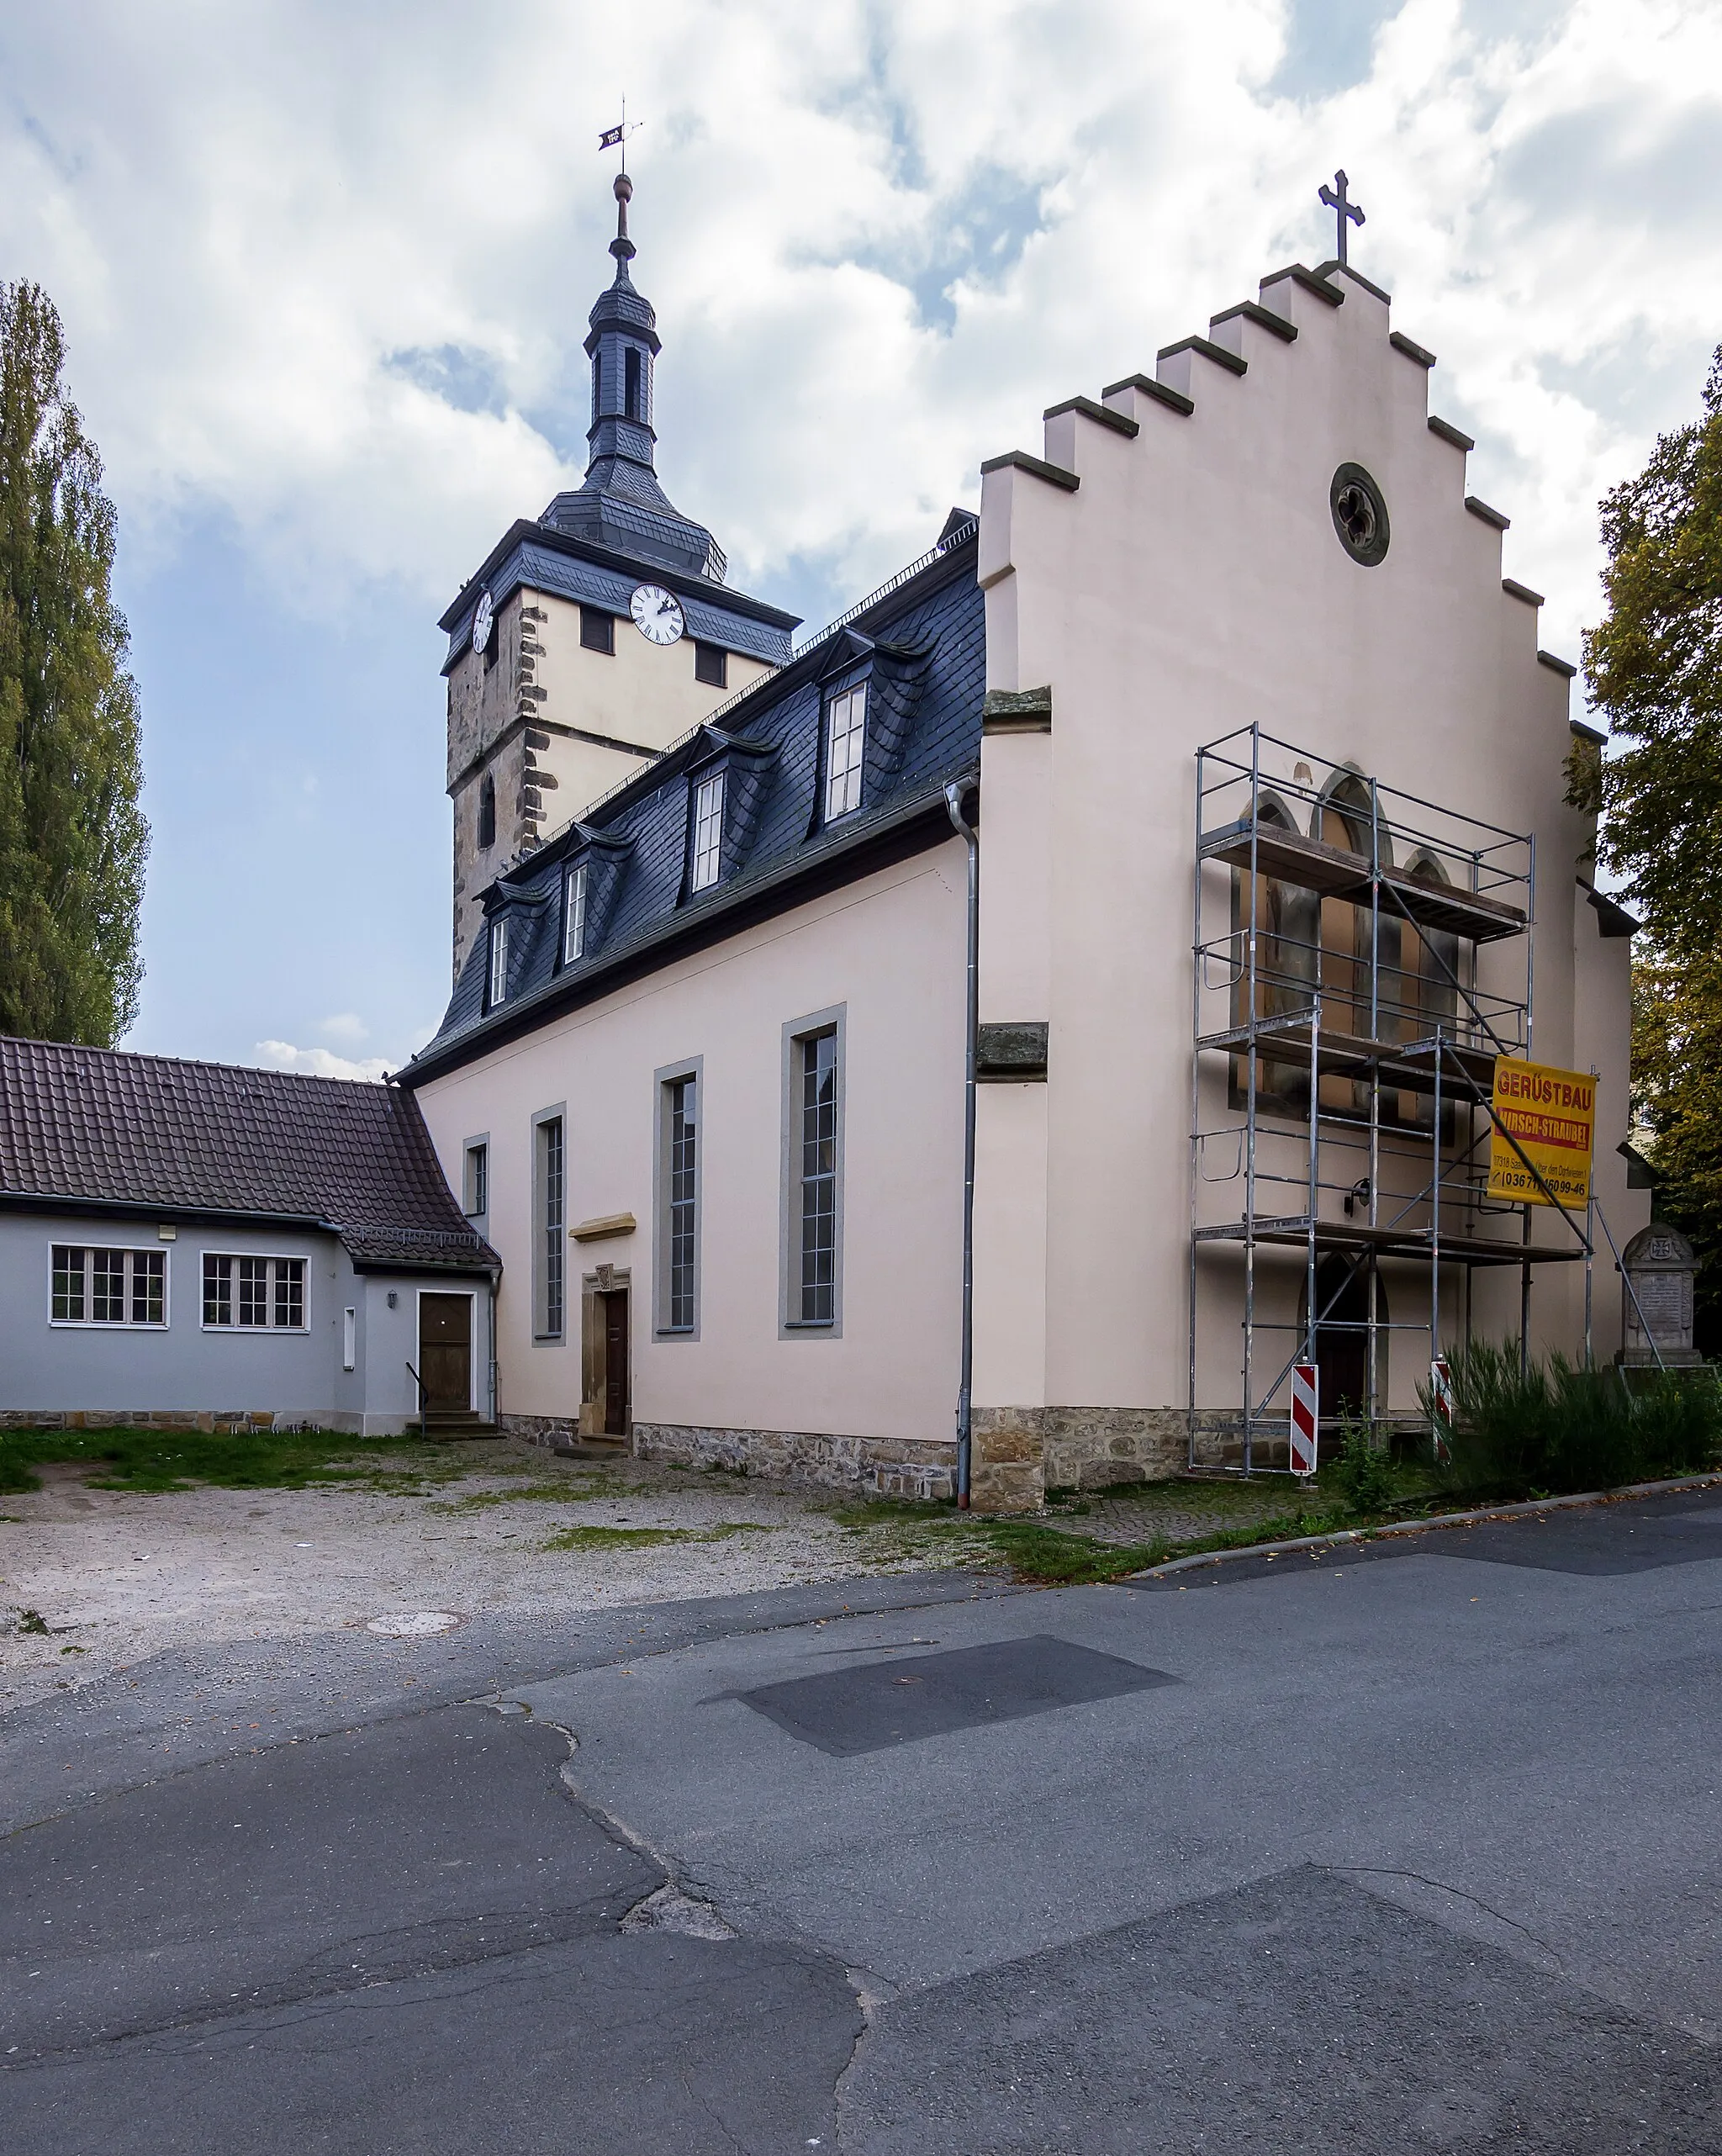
(1364, 1470)
(1551, 1428)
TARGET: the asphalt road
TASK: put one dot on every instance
(1411, 1846)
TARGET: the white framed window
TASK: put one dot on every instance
(573, 914)
(350, 1340)
(254, 1295)
(89, 1286)
(845, 737)
(496, 984)
(708, 833)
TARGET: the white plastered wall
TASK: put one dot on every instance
(889, 950)
(1191, 583)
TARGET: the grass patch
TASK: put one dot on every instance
(891, 1512)
(571, 1492)
(259, 1460)
(640, 1538)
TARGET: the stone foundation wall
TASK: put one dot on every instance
(1021, 1453)
(875, 1466)
(548, 1430)
(231, 1423)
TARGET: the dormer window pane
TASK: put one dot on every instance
(573, 915)
(499, 963)
(708, 833)
(846, 732)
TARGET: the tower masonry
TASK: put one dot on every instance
(589, 640)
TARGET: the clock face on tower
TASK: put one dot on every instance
(484, 620)
(657, 614)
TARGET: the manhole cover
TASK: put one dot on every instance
(419, 1625)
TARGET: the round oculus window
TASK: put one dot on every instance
(1359, 514)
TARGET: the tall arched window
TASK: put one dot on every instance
(487, 812)
(1358, 960)
(1283, 918)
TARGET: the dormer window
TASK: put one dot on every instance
(573, 914)
(845, 737)
(708, 833)
(496, 986)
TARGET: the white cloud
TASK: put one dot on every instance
(345, 1026)
(318, 1062)
(326, 270)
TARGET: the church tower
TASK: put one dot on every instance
(589, 640)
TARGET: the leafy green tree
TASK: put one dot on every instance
(1677, 1103)
(73, 841)
(1655, 668)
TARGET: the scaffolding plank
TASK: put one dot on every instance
(1406, 1066)
(1335, 872)
(1391, 1242)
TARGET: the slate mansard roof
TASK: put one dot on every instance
(922, 645)
(102, 1131)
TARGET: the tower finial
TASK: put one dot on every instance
(616, 138)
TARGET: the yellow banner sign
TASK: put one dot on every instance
(1553, 1115)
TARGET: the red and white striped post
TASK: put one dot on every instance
(1306, 1415)
(1441, 1409)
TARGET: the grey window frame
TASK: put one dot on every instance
(598, 631)
(664, 1080)
(549, 1258)
(791, 1325)
(475, 1181)
(714, 660)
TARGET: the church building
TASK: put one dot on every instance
(1218, 746)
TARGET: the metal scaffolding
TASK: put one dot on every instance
(1377, 957)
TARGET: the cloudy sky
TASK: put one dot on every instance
(324, 271)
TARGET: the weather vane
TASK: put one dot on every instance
(1344, 212)
(616, 137)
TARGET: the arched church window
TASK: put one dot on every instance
(487, 811)
(631, 380)
(1279, 979)
(1358, 961)
(1430, 978)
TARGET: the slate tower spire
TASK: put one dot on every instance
(621, 504)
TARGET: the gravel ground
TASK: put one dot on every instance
(94, 1580)
(118, 1575)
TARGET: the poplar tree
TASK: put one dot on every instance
(1655, 668)
(73, 840)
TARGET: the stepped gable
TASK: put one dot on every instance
(106, 1128)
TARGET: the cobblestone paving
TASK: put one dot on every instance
(1182, 1510)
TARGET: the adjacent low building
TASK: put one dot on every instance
(193, 1243)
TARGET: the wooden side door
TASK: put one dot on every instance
(615, 1362)
(446, 1352)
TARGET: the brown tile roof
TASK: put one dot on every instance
(104, 1126)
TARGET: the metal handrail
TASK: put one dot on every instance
(419, 1386)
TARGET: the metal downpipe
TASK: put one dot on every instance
(965, 1382)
